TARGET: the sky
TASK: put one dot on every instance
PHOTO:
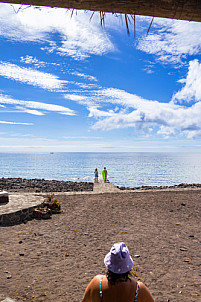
(68, 84)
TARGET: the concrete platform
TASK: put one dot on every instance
(104, 187)
(19, 208)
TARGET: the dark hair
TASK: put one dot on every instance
(113, 278)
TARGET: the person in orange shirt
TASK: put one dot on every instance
(117, 285)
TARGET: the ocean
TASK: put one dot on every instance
(124, 169)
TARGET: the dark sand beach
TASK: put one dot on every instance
(53, 260)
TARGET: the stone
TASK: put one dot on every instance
(46, 215)
(42, 185)
(8, 300)
(183, 249)
(9, 276)
(37, 213)
(6, 220)
(4, 197)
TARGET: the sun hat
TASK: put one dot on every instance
(118, 259)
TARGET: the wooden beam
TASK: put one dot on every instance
(174, 9)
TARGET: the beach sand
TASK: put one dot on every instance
(53, 260)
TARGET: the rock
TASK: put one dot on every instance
(9, 276)
(42, 185)
(7, 299)
(37, 214)
(4, 197)
(46, 215)
(183, 249)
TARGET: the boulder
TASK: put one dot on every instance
(4, 197)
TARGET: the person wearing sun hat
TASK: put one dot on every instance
(117, 285)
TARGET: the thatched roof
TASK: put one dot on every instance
(174, 9)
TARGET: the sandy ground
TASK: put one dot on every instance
(53, 260)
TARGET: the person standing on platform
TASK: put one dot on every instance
(104, 174)
(96, 176)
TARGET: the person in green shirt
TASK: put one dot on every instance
(104, 174)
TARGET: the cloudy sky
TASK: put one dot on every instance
(68, 84)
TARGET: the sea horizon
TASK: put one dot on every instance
(128, 169)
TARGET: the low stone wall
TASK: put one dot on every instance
(20, 208)
(17, 217)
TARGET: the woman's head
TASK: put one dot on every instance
(118, 260)
(113, 278)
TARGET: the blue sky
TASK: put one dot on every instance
(68, 84)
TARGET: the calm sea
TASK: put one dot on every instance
(124, 169)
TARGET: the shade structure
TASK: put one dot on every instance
(174, 9)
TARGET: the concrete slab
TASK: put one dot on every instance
(20, 201)
(105, 187)
(19, 209)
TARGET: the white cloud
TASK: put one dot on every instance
(35, 106)
(85, 76)
(74, 97)
(31, 60)
(30, 111)
(14, 123)
(30, 76)
(78, 37)
(192, 88)
(82, 137)
(144, 116)
(172, 40)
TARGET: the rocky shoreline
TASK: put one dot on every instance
(179, 186)
(42, 185)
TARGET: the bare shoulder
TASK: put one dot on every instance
(144, 293)
(95, 282)
(92, 289)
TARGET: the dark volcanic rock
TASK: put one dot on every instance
(183, 186)
(42, 185)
